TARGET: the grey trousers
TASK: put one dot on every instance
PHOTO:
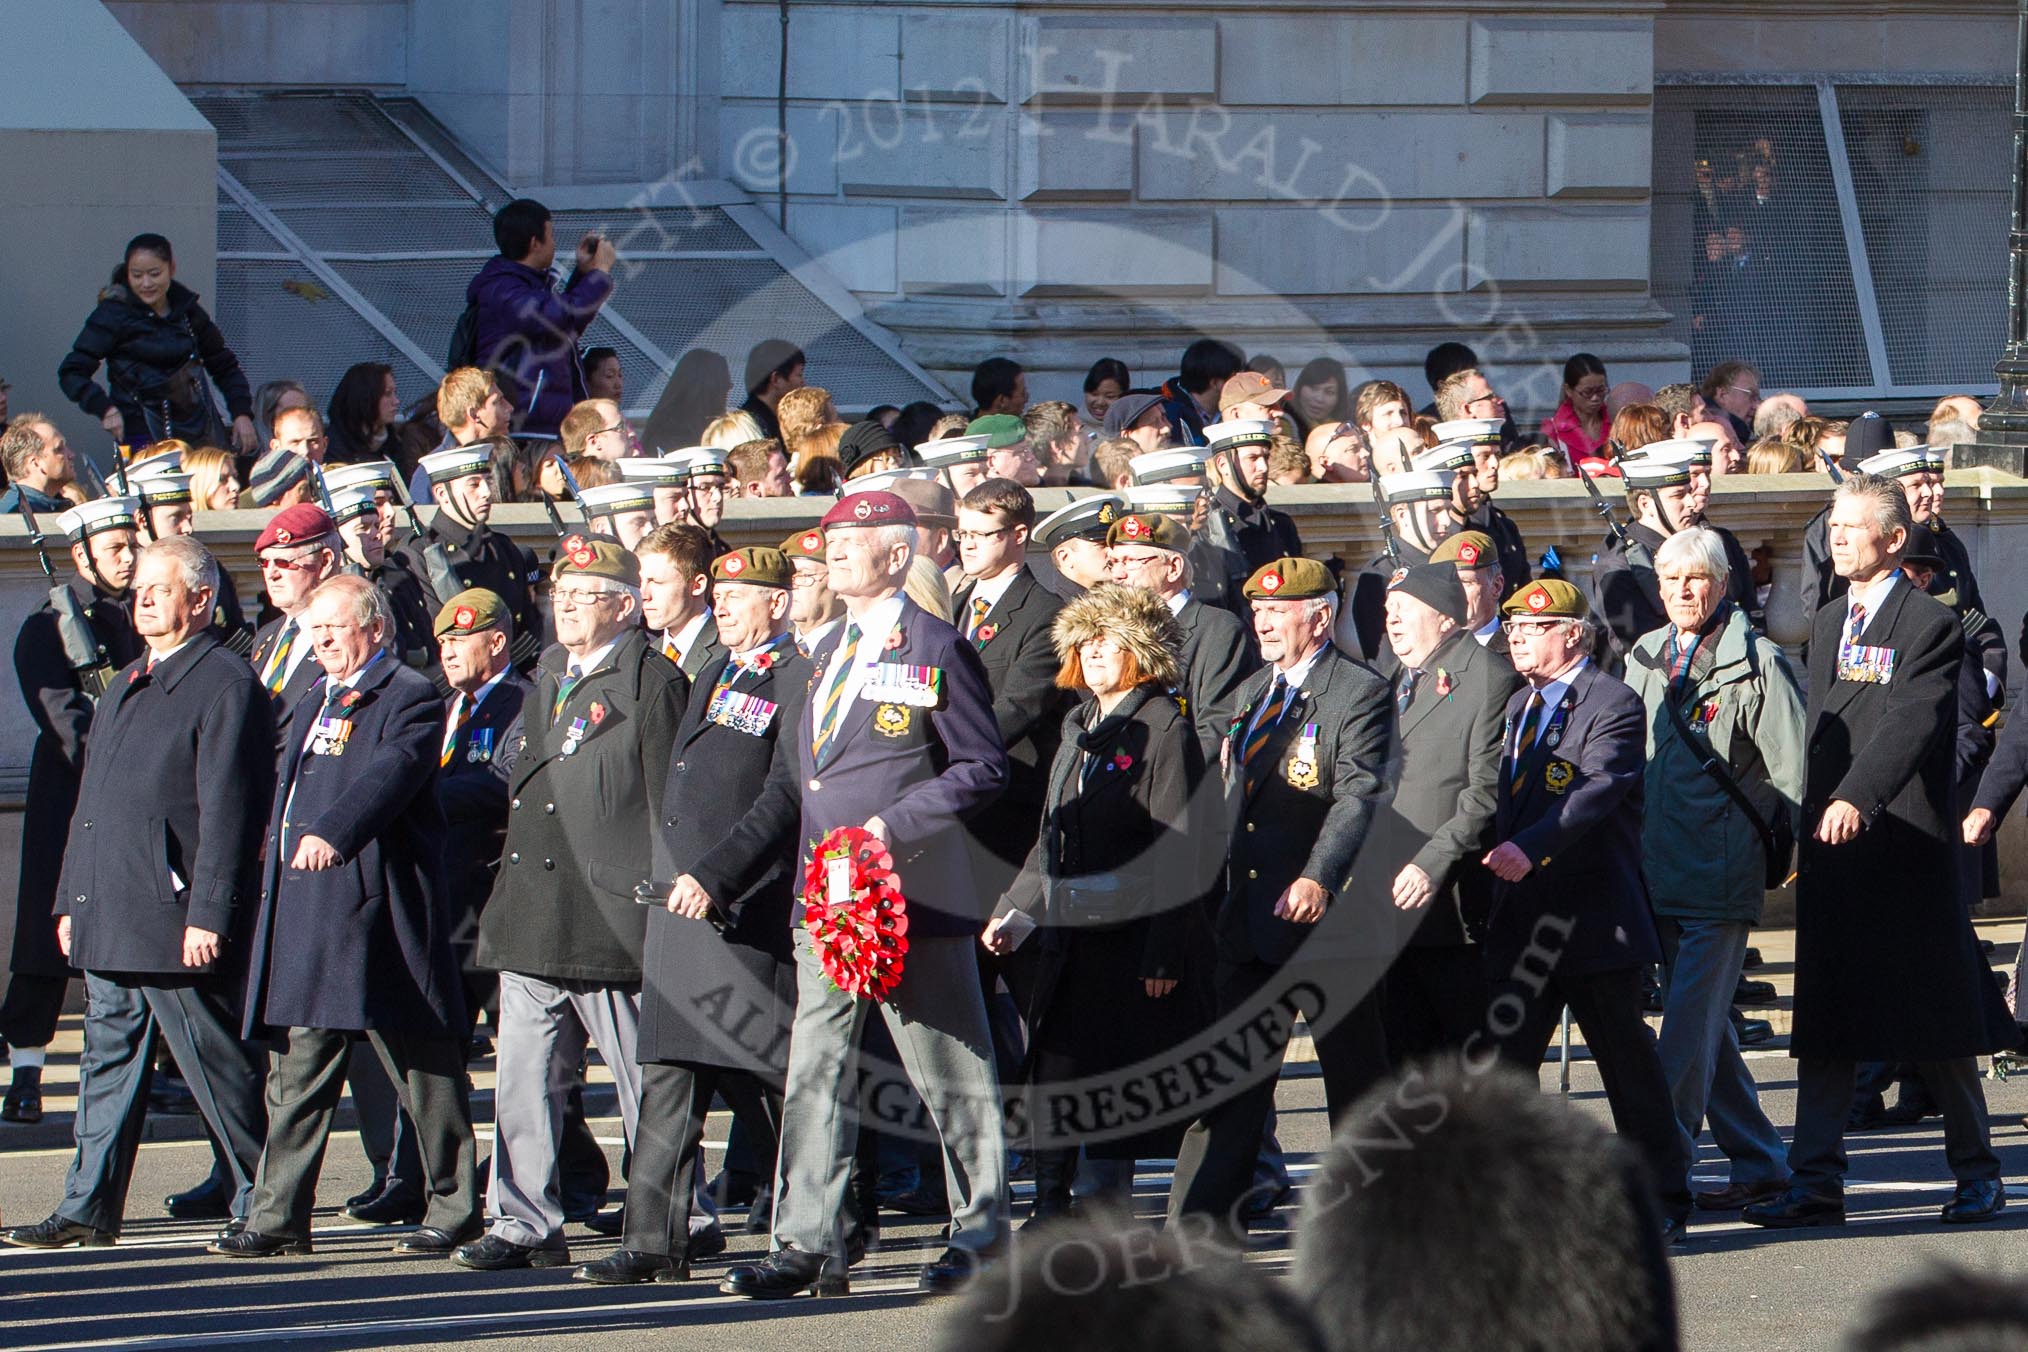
(1708, 1078)
(1824, 1097)
(544, 1030)
(938, 1019)
(306, 1079)
(121, 1024)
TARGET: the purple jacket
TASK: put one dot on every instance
(527, 332)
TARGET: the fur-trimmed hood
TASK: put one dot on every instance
(1135, 618)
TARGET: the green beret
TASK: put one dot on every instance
(1152, 529)
(757, 564)
(1467, 549)
(999, 429)
(1290, 580)
(1551, 598)
(473, 610)
(596, 556)
(805, 544)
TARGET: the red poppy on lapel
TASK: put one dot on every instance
(598, 713)
(985, 634)
(765, 661)
(893, 643)
(1122, 761)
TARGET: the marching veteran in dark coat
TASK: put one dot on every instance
(1422, 856)
(353, 935)
(61, 687)
(475, 638)
(1887, 965)
(1570, 922)
(900, 740)
(158, 884)
(716, 998)
(1125, 952)
(1151, 550)
(1302, 771)
(563, 927)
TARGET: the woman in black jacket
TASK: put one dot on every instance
(162, 356)
(1122, 968)
(363, 418)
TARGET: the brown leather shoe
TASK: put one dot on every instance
(1733, 1196)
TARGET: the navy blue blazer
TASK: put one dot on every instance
(922, 772)
(365, 945)
(1577, 814)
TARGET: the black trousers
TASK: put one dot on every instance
(306, 1079)
(1824, 1097)
(1433, 999)
(31, 1009)
(1215, 1166)
(1607, 1007)
(124, 1023)
(662, 1179)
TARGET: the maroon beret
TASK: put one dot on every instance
(294, 525)
(869, 509)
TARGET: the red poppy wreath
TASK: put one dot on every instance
(860, 930)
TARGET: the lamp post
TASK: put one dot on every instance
(2003, 427)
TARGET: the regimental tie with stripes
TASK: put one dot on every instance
(841, 670)
(277, 673)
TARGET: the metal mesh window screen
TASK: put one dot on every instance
(296, 124)
(1929, 175)
(657, 230)
(342, 173)
(284, 323)
(731, 305)
(415, 227)
(1749, 251)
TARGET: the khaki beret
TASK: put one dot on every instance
(1152, 529)
(1550, 598)
(471, 611)
(1290, 579)
(596, 556)
(756, 564)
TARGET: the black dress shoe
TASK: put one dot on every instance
(1752, 959)
(730, 1189)
(399, 1203)
(1674, 1231)
(494, 1254)
(23, 1103)
(60, 1233)
(250, 1244)
(1978, 1199)
(917, 1202)
(379, 1186)
(1754, 1032)
(1733, 1196)
(1868, 1114)
(1795, 1209)
(433, 1242)
(1753, 992)
(608, 1222)
(1260, 1203)
(232, 1227)
(950, 1273)
(631, 1267)
(760, 1213)
(210, 1200)
(707, 1243)
(171, 1097)
(1906, 1112)
(784, 1273)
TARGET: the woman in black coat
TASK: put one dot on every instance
(162, 356)
(1123, 963)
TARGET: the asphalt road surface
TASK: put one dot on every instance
(1740, 1288)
